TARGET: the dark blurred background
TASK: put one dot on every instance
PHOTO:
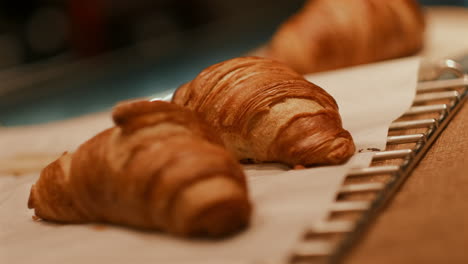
(64, 58)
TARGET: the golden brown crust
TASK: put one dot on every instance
(330, 34)
(136, 173)
(265, 111)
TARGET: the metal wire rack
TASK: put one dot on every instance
(366, 191)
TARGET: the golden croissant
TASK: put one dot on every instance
(265, 111)
(160, 168)
(330, 34)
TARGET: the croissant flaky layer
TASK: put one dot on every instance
(265, 111)
(160, 167)
(330, 34)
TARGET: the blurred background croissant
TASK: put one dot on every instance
(64, 58)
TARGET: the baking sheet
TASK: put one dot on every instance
(286, 202)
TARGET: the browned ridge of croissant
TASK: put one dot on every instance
(265, 111)
(330, 34)
(160, 167)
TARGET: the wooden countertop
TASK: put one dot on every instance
(427, 221)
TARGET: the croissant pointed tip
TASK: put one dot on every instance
(342, 149)
(224, 219)
(31, 200)
(199, 211)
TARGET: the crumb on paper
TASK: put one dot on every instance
(369, 149)
(373, 149)
(35, 218)
(299, 167)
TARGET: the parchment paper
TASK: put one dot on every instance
(286, 202)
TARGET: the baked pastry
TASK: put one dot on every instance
(330, 34)
(266, 112)
(160, 167)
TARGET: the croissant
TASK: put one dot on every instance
(265, 111)
(159, 168)
(330, 34)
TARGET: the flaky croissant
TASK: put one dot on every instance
(160, 167)
(265, 111)
(330, 34)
